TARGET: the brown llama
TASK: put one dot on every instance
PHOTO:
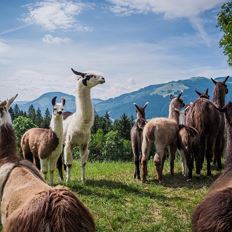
(214, 213)
(27, 202)
(203, 116)
(163, 133)
(46, 144)
(219, 94)
(136, 137)
(189, 141)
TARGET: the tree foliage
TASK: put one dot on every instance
(225, 25)
(21, 124)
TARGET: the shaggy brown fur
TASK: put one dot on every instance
(29, 204)
(136, 138)
(56, 210)
(215, 211)
(39, 142)
(203, 116)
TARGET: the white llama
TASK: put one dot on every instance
(77, 127)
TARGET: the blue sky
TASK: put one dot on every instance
(133, 43)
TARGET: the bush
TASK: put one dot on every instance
(21, 124)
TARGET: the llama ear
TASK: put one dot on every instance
(145, 105)
(226, 79)
(198, 93)
(3, 104)
(213, 81)
(180, 95)
(136, 106)
(78, 73)
(207, 90)
(10, 101)
(62, 101)
(54, 101)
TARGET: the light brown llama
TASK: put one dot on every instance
(163, 133)
(27, 202)
(46, 144)
(214, 213)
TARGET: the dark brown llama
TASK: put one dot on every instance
(189, 142)
(215, 211)
(27, 202)
(203, 116)
(219, 94)
(136, 137)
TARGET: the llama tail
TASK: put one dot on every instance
(27, 154)
(57, 210)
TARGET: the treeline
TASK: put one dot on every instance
(110, 139)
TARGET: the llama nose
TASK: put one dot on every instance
(59, 112)
(103, 80)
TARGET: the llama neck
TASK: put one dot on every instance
(218, 97)
(173, 114)
(7, 141)
(84, 105)
(56, 125)
(229, 148)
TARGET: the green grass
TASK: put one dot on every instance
(120, 203)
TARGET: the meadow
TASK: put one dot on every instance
(120, 203)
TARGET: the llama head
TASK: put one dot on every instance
(221, 86)
(204, 94)
(5, 117)
(177, 102)
(89, 79)
(140, 111)
(58, 108)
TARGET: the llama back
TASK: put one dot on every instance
(55, 210)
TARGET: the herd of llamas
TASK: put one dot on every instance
(195, 130)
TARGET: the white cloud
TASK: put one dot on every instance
(126, 66)
(55, 14)
(49, 39)
(170, 9)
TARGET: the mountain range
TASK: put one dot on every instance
(158, 97)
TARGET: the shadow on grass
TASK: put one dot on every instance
(179, 181)
(107, 185)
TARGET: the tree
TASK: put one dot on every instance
(96, 144)
(123, 125)
(21, 125)
(38, 118)
(16, 111)
(47, 119)
(32, 113)
(225, 25)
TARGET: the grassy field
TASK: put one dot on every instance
(119, 203)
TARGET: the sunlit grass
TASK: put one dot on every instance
(120, 203)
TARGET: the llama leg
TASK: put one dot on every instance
(146, 147)
(159, 164)
(44, 167)
(209, 152)
(84, 154)
(68, 160)
(136, 162)
(59, 167)
(184, 163)
(172, 158)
